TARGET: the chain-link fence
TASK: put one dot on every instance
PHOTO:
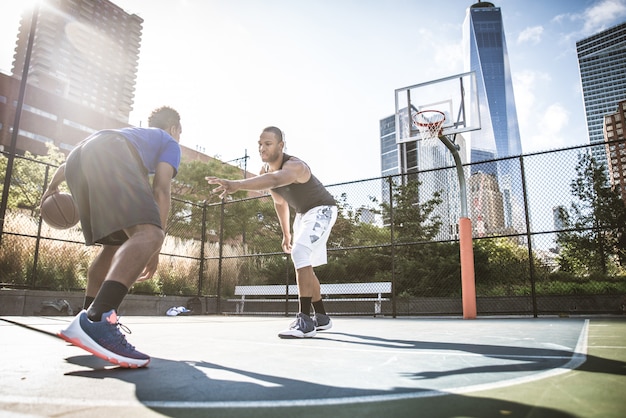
(548, 239)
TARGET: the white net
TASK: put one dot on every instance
(429, 123)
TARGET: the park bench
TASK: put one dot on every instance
(331, 292)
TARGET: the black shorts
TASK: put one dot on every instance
(111, 188)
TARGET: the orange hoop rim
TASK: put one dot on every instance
(429, 124)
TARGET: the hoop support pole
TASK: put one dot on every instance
(468, 281)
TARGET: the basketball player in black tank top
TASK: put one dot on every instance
(292, 184)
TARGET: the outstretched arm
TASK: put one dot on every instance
(292, 172)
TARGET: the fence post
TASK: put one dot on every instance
(221, 254)
(531, 259)
(202, 252)
(38, 239)
(393, 250)
(16, 120)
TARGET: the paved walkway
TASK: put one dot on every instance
(237, 366)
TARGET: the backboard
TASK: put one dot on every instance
(455, 96)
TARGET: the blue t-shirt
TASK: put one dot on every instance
(154, 146)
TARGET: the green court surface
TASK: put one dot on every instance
(216, 366)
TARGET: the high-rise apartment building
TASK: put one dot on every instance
(84, 50)
(602, 66)
(81, 76)
(614, 126)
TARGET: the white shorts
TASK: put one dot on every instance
(311, 231)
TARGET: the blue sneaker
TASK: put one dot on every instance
(104, 339)
(302, 327)
(322, 322)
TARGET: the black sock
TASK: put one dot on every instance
(305, 305)
(110, 296)
(319, 307)
(87, 302)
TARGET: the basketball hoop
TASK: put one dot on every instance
(429, 123)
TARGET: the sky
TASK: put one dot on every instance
(325, 71)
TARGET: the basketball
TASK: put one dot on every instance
(60, 211)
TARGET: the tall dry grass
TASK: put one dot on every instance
(63, 260)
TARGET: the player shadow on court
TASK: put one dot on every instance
(527, 359)
(180, 388)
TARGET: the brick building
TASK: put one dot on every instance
(614, 125)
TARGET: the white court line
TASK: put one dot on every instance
(409, 350)
(579, 356)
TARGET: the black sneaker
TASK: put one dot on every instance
(302, 327)
(322, 322)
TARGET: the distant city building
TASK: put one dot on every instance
(602, 66)
(366, 215)
(614, 125)
(486, 205)
(83, 50)
(389, 149)
(428, 162)
(433, 156)
(395, 158)
(557, 220)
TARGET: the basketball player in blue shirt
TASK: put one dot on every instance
(108, 176)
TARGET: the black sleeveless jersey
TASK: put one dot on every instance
(305, 196)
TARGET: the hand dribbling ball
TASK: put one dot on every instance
(60, 211)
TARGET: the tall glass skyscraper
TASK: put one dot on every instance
(602, 65)
(486, 54)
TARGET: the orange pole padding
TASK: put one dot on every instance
(468, 282)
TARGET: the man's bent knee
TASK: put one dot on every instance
(301, 256)
(150, 234)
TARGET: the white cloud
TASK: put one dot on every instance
(595, 18)
(599, 16)
(552, 122)
(526, 84)
(545, 128)
(449, 57)
(542, 125)
(531, 34)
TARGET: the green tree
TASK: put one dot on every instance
(412, 221)
(191, 192)
(501, 266)
(422, 268)
(594, 240)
